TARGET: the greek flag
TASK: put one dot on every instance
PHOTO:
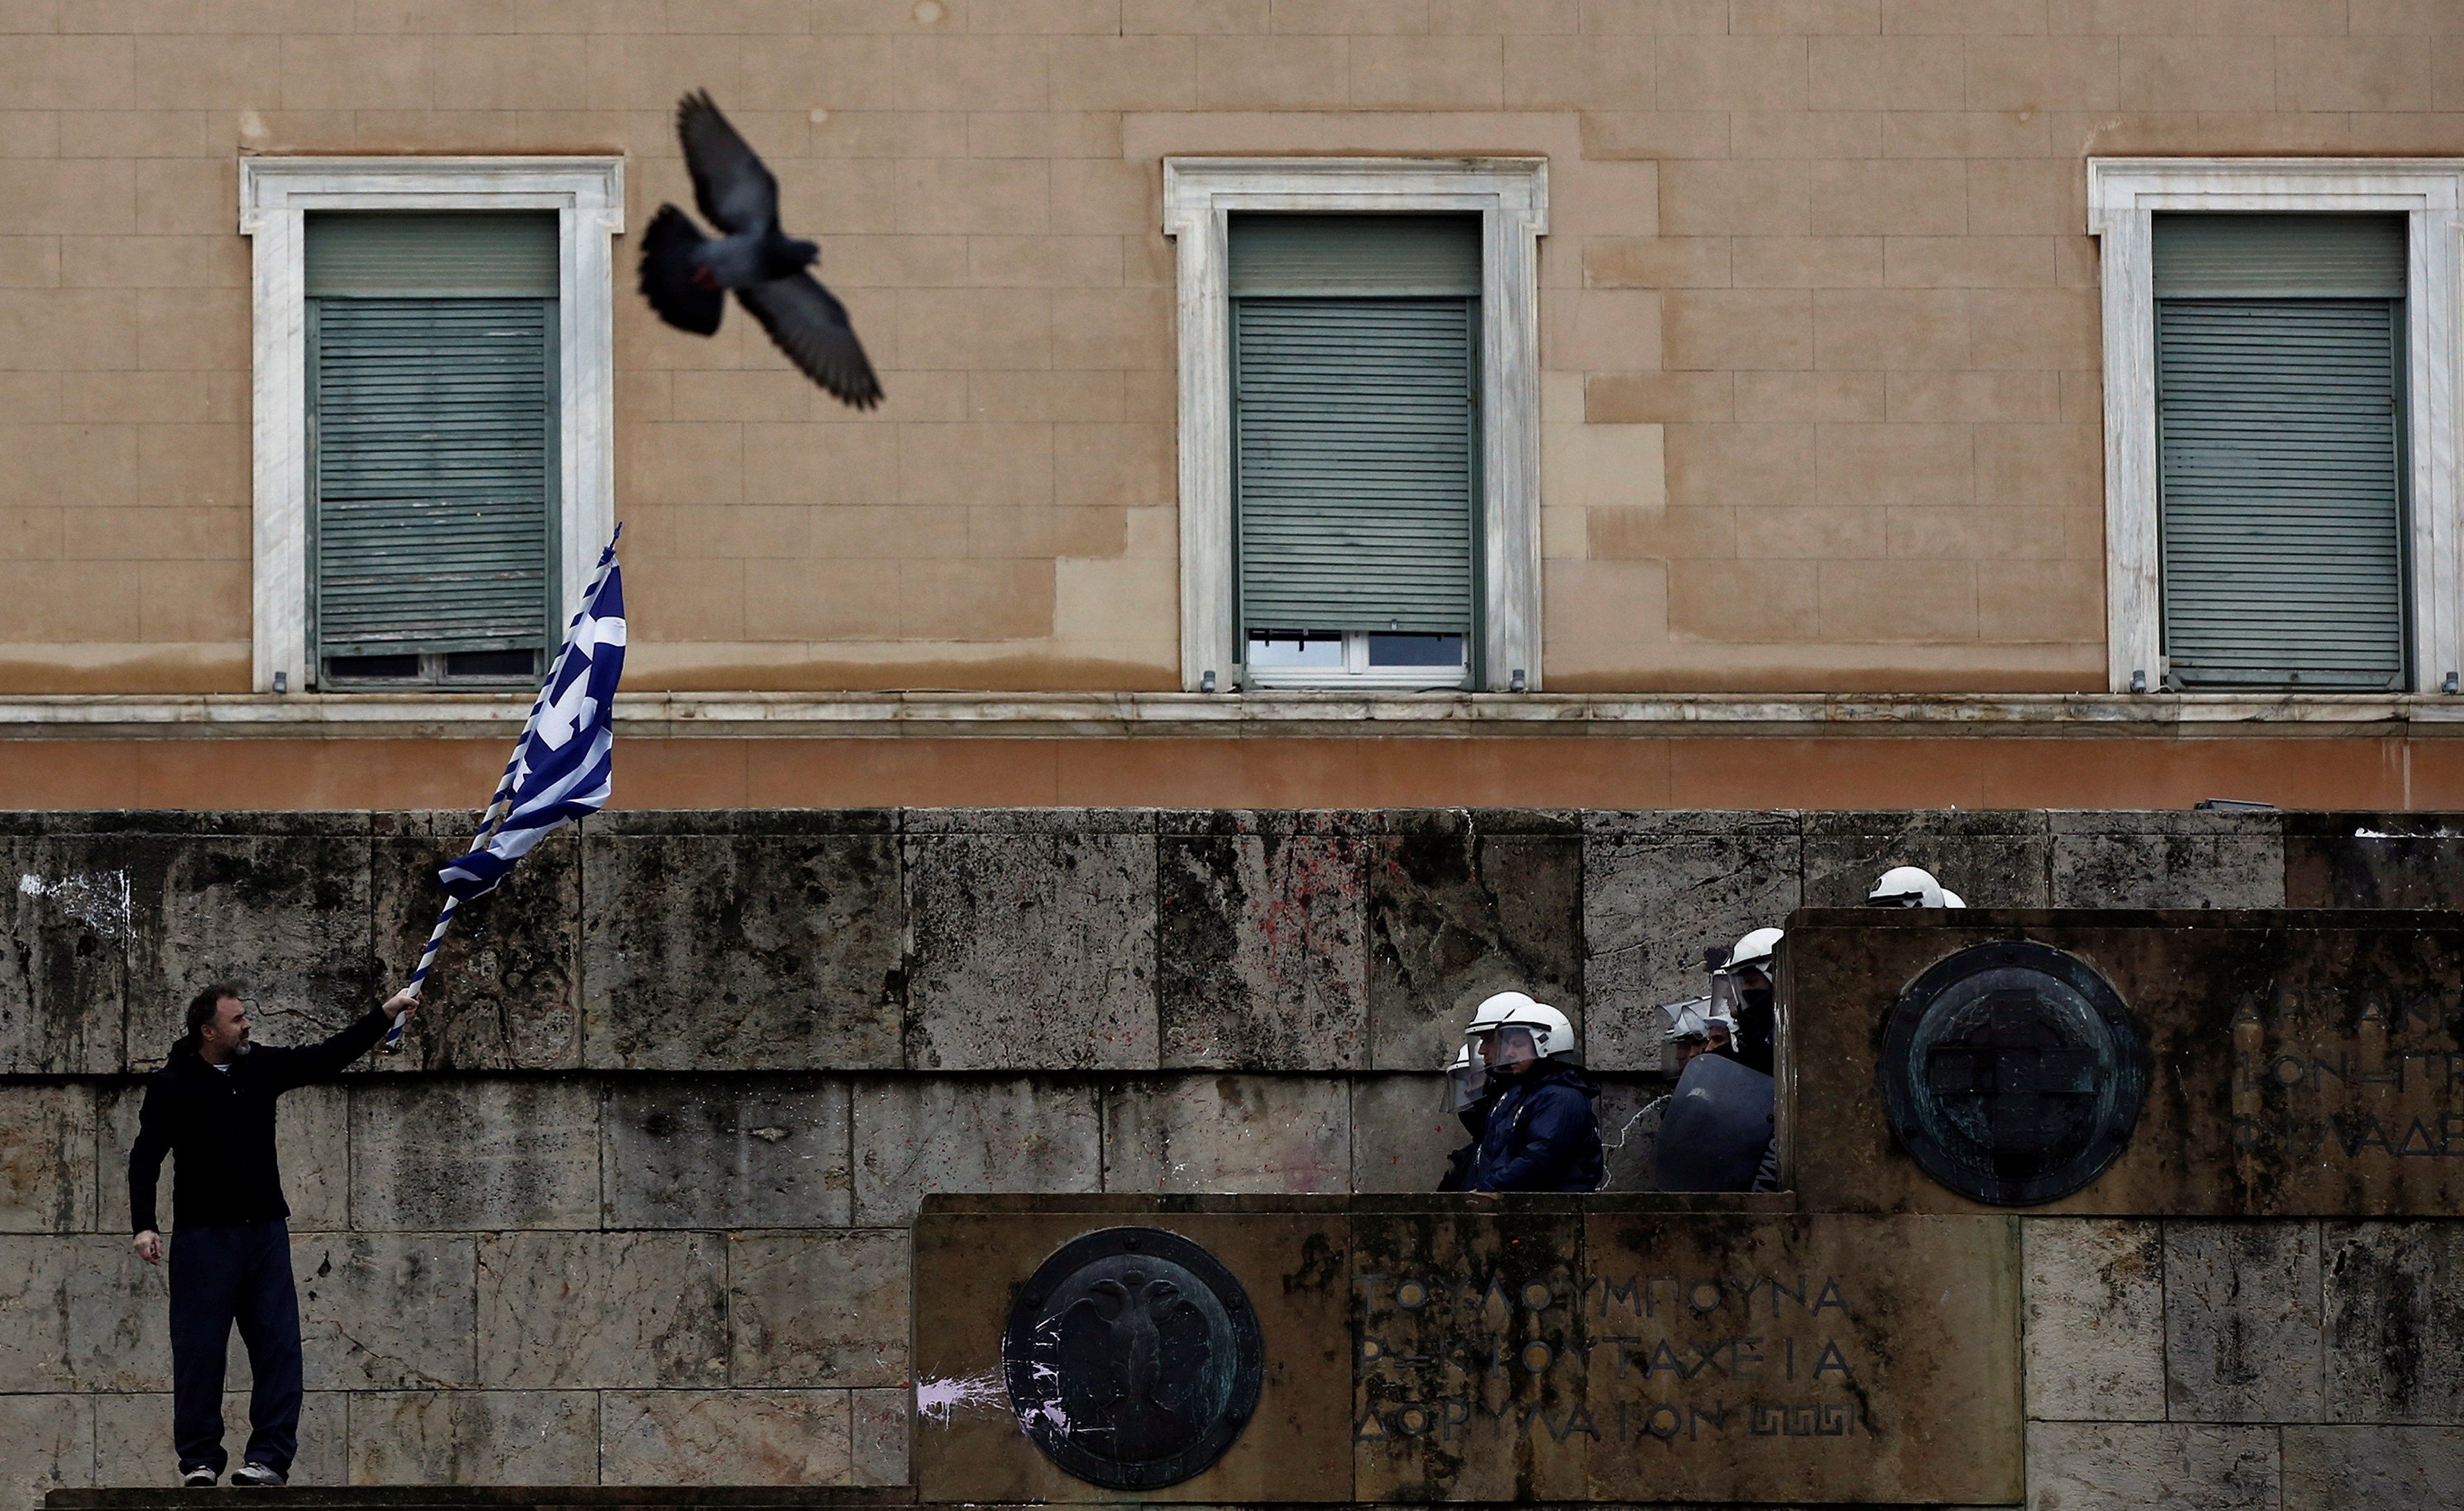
(562, 767)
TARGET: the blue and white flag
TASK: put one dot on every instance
(561, 768)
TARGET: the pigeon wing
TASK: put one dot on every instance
(667, 265)
(734, 190)
(811, 327)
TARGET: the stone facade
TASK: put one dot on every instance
(1819, 314)
(634, 1208)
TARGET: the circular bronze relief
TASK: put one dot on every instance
(1132, 1358)
(2012, 1073)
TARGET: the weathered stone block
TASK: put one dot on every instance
(2272, 1040)
(742, 951)
(742, 1152)
(1401, 1133)
(82, 1313)
(68, 911)
(1990, 858)
(46, 1444)
(474, 1155)
(1263, 949)
(602, 1309)
(2374, 860)
(132, 1437)
(725, 1437)
(474, 1438)
(1463, 904)
(881, 1427)
(310, 1148)
(2094, 1297)
(48, 1171)
(2133, 1466)
(506, 990)
(914, 1136)
(2384, 1468)
(2395, 1299)
(1658, 890)
(282, 913)
(1230, 1133)
(2165, 859)
(2242, 1322)
(386, 1310)
(818, 1309)
(1629, 1111)
(1033, 951)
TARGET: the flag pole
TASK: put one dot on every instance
(501, 806)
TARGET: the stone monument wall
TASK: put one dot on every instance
(641, 1215)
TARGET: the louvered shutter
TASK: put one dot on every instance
(433, 415)
(1356, 421)
(2280, 401)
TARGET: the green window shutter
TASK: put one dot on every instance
(1356, 421)
(2280, 488)
(398, 252)
(432, 426)
(2279, 398)
(1337, 254)
(1354, 439)
(2332, 256)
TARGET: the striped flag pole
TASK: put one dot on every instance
(500, 805)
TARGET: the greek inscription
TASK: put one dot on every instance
(1669, 1357)
(2362, 1079)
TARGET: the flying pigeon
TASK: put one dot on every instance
(686, 274)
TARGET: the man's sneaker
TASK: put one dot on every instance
(199, 1478)
(256, 1476)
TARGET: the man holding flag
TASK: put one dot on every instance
(212, 1107)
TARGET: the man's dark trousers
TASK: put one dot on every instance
(221, 1274)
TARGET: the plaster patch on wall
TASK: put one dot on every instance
(99, 900)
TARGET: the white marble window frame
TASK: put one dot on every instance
(2123, 194)
(1511, 194)
(587, 193)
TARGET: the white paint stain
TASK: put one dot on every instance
(935, 1400)
(2442, 832)
(99, 900)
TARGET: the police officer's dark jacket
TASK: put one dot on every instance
(219, 1124)
(1542, 1134)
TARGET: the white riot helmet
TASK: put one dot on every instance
(1755, 949)
(1696, 1017)
(1910, 886)
(1552, 1034)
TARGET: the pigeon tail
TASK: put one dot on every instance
(671, 260)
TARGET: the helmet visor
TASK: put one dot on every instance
(1465, 1086)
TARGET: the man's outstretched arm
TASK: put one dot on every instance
(306, 1062)
(146, 1170)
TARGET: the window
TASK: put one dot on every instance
(2280, 474)
(1355, 440)
(431, 445)
(2279, 375)
(433, 417)
(1359, 421)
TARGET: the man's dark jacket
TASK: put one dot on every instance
(220, 1125)
(1541, 1134)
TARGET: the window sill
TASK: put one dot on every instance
(1292, 712)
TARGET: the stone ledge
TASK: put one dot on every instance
(1183, 715)
(420, 1497)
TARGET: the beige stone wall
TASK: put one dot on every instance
(1819, 321)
